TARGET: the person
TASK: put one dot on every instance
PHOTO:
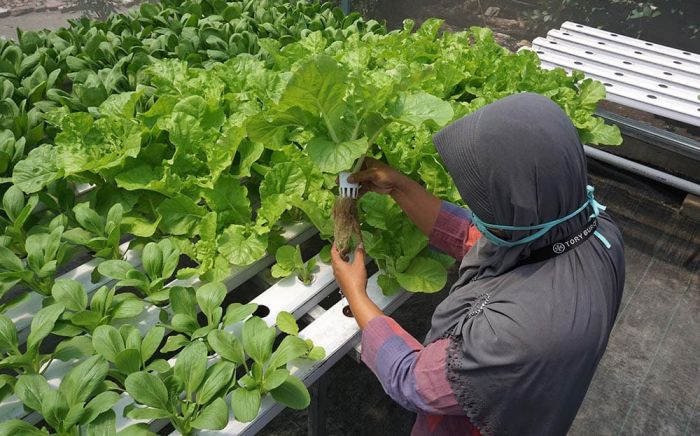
(513, 347)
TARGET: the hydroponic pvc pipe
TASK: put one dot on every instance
(626, 164)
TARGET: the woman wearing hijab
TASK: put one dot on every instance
(513, 348)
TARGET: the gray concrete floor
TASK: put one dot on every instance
(34, 21)
(648, 382)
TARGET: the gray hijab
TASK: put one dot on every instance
(525, 339)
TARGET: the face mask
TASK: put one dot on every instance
(541, 228)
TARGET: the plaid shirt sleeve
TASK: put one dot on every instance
(413, 375)
(453, 232)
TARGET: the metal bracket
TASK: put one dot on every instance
(317, 409)
(653, 135)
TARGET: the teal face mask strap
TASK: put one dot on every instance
(597, 208)
(541, 228)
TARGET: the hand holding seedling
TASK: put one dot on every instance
(421, 206)
(351, 275)
(352, 280)
(376, 176)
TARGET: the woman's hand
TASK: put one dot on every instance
(351, 277)
(377, 177)
(421, 206)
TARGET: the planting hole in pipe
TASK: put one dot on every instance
(347, 312)
(262, 311)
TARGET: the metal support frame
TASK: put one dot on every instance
(653, 135)
(317, 409)
(651, 173)
(346, 5)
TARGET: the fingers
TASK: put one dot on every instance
(371, 187)
(363, 176)
(359, 255)
(338, 260)
(336, 257)
(371, 162)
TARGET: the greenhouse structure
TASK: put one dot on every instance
(369, 217)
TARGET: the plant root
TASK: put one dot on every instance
(346, 225)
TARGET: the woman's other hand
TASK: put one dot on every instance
(377, 177)
(351, 276)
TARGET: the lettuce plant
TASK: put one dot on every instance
(11, 148)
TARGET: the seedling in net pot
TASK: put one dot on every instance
(289, 261)
(45, 252)
(345, 113)
(159, 263)
(105, 307)
(345, 216)
(265, 370)
(18, 209)
(209, 297)
(127, 351)
(96, 233)
(80, 405)
(31, 361)
(191, 395)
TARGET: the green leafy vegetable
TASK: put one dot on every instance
(289, 262)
